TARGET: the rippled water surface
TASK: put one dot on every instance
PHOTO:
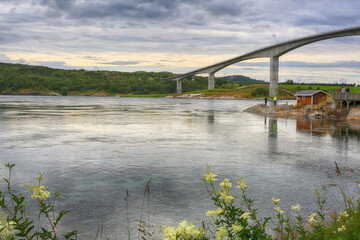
(93, 149)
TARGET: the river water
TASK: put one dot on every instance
(93, 149)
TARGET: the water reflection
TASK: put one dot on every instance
(335, 128)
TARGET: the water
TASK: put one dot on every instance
(93, 149)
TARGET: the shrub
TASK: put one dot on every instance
(260, 92)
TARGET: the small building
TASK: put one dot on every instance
(310, 97)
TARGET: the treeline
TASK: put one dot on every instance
(291, 82)
(14, 77)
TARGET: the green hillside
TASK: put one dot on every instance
(19, 78)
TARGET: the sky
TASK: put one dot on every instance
(181, 35)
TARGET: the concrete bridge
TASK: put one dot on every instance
(272, 52)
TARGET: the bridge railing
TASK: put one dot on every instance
(346, 96)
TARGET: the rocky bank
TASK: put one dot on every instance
(323, 110)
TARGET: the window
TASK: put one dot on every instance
(303, 97)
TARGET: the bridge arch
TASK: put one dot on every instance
(273, 52)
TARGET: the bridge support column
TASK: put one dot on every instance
(178, 86)
(211, 82)
(274, 78)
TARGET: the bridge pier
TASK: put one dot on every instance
(274, 78)
(178, 86)
(211, 82)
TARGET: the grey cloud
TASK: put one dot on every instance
(120, 63)
(54, 64)
(4, 58)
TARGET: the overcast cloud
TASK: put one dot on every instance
(189, 34)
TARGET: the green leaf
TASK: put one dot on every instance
(61, 214)
(70, 234)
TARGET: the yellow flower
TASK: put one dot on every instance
(278, 210)
(312, 218)
(199, 233)
(226, 197)
(211, 213)
(343, 215)
(241, 183)
(226, 184)
(7, 231)
(221, 233)
(210, 177)
(236, 228)
(343, 228)
(245, 215)
(219, 211)
(296, 207)
(276, 201)
(38, 192)
(185, 228)
(169, 233)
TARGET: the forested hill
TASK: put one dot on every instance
(15, 77)
(242, 79)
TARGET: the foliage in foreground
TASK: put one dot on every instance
(234, 217)
(15, 222)
(237, 220)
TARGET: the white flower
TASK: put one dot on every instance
(276, 201)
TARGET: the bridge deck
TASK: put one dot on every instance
(346, 96)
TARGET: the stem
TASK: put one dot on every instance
(11, 214)
(48, 217)
(52, 225)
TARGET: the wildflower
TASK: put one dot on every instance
(226, 197)
(278, 210)
(219, 211)
(343, 216)
(226, 184)
(221, 233)
(312, 218)
(210, 177)
(169, 233)
(276, 201)
(7, 230)
(211, 213)
(199, 233)
(236, 228)
(185, 228)
(38, 192)
(342, 228)
(296, 207)
(245, 215)
(241, 183)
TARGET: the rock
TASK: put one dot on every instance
(354, 114)
(315, 114)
